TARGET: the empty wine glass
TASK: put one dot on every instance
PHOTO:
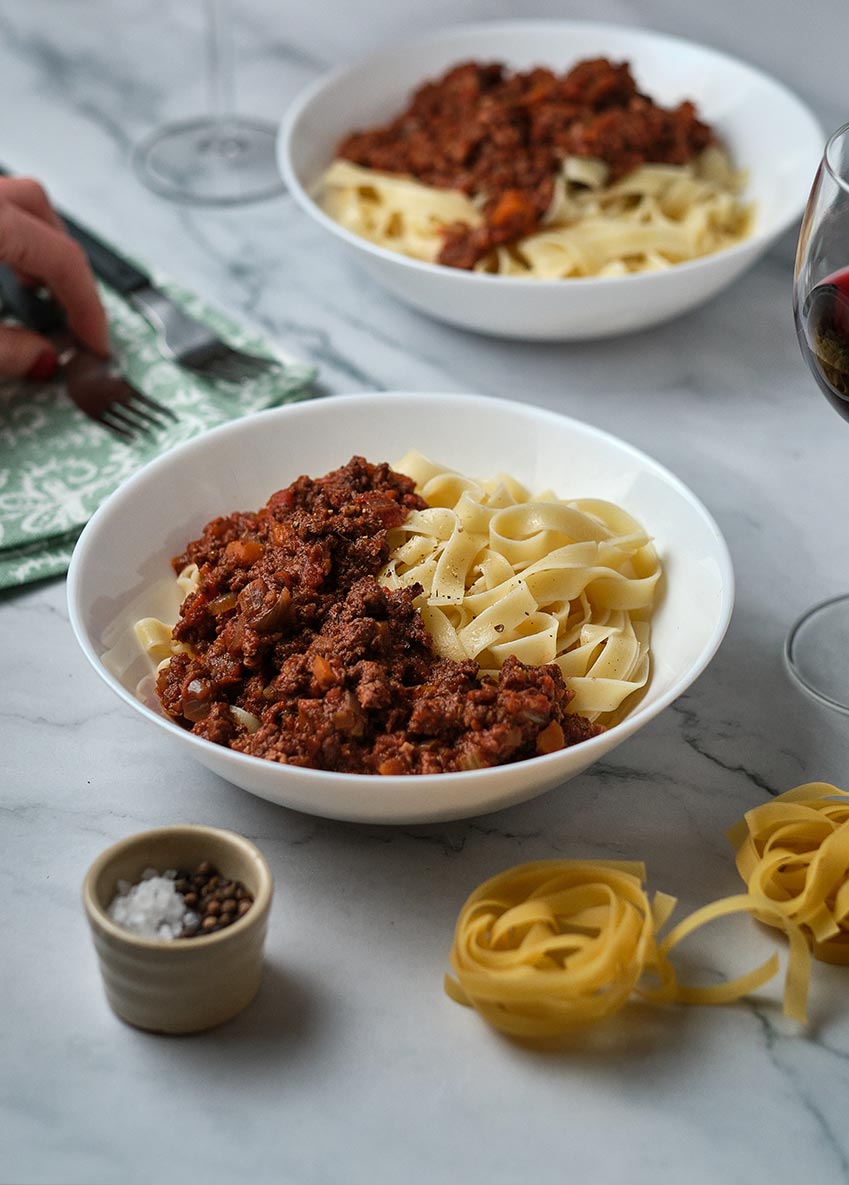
(817, 647)
(220, 159)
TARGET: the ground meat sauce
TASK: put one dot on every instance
(290, 624)
(503, 136)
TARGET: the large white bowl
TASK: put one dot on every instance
(120, 569)
(771, 134)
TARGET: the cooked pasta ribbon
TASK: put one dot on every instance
(546, 580)
(649, 220)
(153, 638)
(545, 948)
(794, 853)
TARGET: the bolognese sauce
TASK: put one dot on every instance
(502, 136)
(327, 668)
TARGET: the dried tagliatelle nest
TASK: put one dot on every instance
(544, 948)
(794, 853)
(548, 947)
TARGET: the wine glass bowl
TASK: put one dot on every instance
(821, 282)
(818, 643)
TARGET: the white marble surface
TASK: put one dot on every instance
(352, 1066)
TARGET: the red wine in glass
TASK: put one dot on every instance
(823, 327)
(816, 651)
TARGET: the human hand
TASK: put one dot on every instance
(35, 244)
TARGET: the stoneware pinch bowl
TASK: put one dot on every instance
(182, 985)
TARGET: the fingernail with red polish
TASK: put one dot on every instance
(44, 366)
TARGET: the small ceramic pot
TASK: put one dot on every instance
(186, 984)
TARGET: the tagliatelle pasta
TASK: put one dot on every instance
(656, 216)
(794, 852)
(147, 636)
(545, 948)
(439, 658)
(395, 212)
(504, 573)
(539, 578)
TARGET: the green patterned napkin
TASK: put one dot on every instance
(57, 466)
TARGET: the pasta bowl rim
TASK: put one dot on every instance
(403, 789)
(735, 256)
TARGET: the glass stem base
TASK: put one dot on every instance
(816, 652)
(211, 161)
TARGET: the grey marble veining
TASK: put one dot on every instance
(352, 1067)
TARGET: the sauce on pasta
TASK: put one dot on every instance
(538, 174)
(289, 649)
(404, 621)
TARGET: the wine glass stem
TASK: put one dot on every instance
(222, 100)
(220, 158)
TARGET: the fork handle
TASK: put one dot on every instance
(107, 264)
(28, 305)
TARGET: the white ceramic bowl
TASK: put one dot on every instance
(120, 569)
(770, 133)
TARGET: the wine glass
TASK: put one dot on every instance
(220, 159)
(817, 647)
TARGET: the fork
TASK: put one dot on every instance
(102, 394)
(183, 339)
(93, 383)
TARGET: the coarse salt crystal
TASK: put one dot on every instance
(152, 908)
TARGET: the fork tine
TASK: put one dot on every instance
(117, 413)
(232, 371)
(115, 423)
(248, 370)
(136, 417)
(203, 357)
(224, 363)
(154, 417)
(156, 409)
(140, 418)
(247, 366)
(138, 413)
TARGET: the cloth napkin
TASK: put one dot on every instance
(57, 466)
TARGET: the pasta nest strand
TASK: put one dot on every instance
(550, 946)
(794, 852)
